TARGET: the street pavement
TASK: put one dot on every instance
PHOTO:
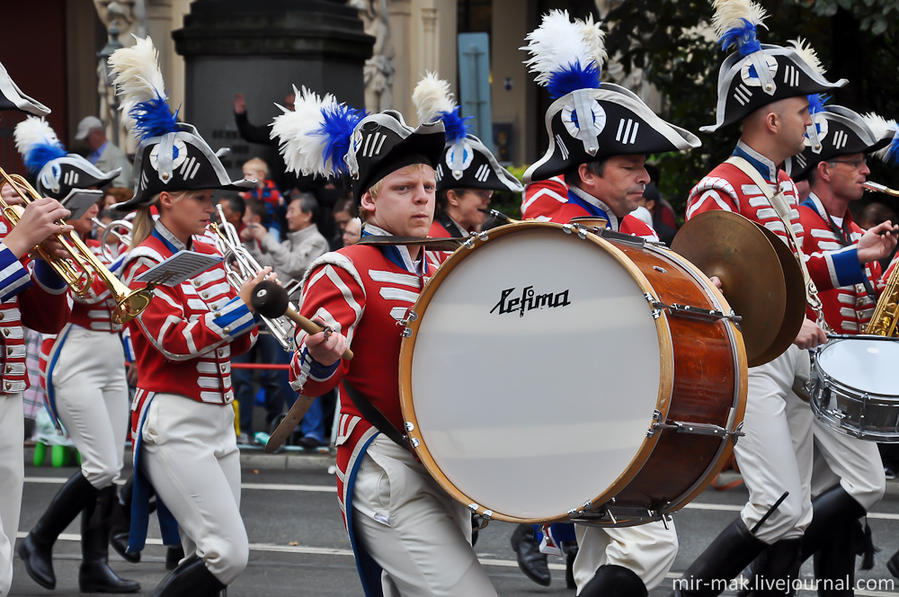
(299, 547)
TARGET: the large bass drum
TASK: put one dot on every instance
(551, 373)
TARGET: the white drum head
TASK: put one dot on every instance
(865, 365)
(534, 412)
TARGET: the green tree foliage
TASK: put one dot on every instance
(671, 42)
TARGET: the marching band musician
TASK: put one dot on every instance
(409, 536)
(185, 448)
(765, 87)
(468, 173)
(599, 138)
(835, 164)
(33, 295)
(86, 391)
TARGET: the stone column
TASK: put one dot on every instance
(259, 49)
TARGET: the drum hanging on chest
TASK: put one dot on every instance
(548, 373)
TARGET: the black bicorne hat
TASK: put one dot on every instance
(383, 143)
(56, 171)
(12, 98)
(837, 131)
(618, 123)
(468, 164)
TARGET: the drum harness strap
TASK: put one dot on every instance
(371, 413)
(783, 211)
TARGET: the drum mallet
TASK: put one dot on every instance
(270, 300)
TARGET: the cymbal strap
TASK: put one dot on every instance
(783, 211)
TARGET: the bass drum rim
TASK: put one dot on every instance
(407, 346)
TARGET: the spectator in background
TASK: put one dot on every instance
(652, 202)
(663, 215)
(344, 211)
(261, 134)
(290, 259)
(353, 232)
(113, 195)
(234, 207)
(103, 154)
(256, 214)
(265, 189)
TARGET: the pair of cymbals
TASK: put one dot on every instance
(759, 275)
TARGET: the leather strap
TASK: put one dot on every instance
(783, 211)
(370, 412)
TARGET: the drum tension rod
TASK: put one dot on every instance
(688, 311)
(692, 428)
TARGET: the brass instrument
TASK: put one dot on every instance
(879, 188)
(886, 313)
(240, 266)
(79, 268)
(120, 230)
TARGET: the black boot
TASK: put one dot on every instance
(36, 550)
(120, 523)
(614, 581)
(835, 562)
(173, 555)
(893, 564)
(95, 575)
(829, 510)
(531, 562)
(190, 579)
(731, 551)
(776, 568)
(570, 550)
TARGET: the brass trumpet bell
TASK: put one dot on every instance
(80, 267)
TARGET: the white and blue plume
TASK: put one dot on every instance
(315, 136)
(434, 101)
(883, 128)
(38, 143)
(736, 23)
(139, 82)
(566, 55)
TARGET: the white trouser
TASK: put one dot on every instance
(189, 453)
(775, 455)
(91, 395)
(853, 463)
(12, 473)
(647, 550)
(417, 533)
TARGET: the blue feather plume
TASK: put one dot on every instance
(153, 118)
(338, 122)
(892, 154)
(573, 77)
(816, 102)
(743, 37)
(39, 154)
(455, 125)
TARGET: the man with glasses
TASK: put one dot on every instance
(848, 476)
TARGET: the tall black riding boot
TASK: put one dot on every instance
(893, 564)
(835, 514)
(36, 550)
(531, 562)
(95, 575)
(829, 510)
(776, 568)
(611, 580)
(190, 579)
(835, 562)
(120, 522)
(722, 560)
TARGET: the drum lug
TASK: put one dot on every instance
(698, 429)
(409, 316)
(407, 332)
(689, 311)
(409, 426)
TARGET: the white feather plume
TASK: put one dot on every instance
(33, 131)
(730, 14)
(295, 130)
(431, 97)
(808, 54)
(137, 75)
(559, 42)
(882, 128)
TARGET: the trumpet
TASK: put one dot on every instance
(120, 231)
(879, 188)
(80, 267)
(240, 266)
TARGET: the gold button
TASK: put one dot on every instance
(204, 294)
(196, 282)
(7, 386)
(9, 368)
(227, 329)
(9, 350)
(224, 368)
(2, 315)
(6, 331)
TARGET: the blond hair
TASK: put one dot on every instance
(143, 223)
(257, 164)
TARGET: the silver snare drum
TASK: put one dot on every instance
(855, 387)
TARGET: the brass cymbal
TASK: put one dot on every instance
(794, 313)
(727, 245)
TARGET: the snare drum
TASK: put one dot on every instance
(855, 388)
(548, 373)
